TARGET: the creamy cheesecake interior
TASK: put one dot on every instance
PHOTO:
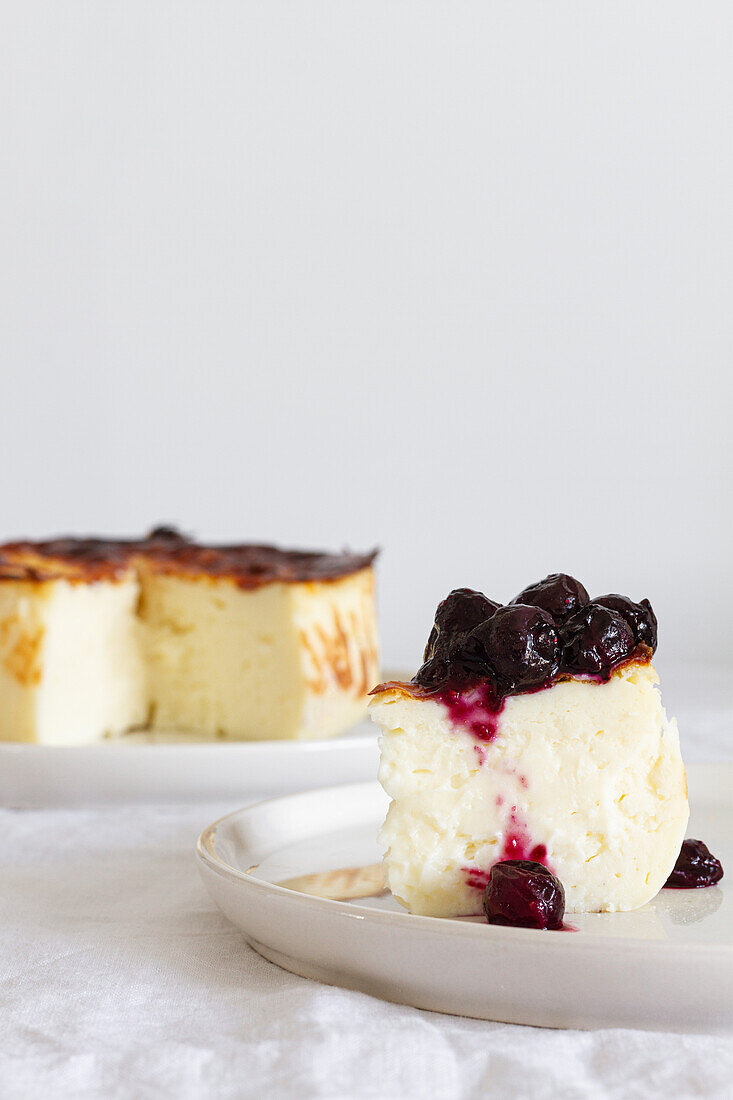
(244, 642)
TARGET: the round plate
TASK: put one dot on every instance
(275, 869)
(149, 767)
(181, 767)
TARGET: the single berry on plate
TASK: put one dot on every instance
(639, 616)
(456, 615)
(525, 894)
(596, 641)
(695, 867)
(521, 645)
(559, 595)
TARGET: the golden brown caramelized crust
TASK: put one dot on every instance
(166, 550)
(67, 558)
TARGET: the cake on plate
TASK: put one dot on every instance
(533, 731)
(243, 642)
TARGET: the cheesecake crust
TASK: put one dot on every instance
(166, 551)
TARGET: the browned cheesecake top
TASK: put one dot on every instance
(166, 550)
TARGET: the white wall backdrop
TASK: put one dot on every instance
(453, 278)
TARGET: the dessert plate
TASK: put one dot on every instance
(275, 869)
(181, 767)
(158, 767)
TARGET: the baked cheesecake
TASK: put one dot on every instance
(243, 642)
(533, 731)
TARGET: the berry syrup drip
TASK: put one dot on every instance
(476, 709)
(517, 844)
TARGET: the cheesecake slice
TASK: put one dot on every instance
(533, 731)
(242, 642)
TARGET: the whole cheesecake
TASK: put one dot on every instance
(243, 642)
(533, 731)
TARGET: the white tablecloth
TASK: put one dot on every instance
(119, 978)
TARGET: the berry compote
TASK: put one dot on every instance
(520, 645)
(456, 615)
(596, 641)
(559, 595)
(638, 616)
(551, 630)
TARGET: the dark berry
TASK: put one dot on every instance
(695, 867)
(596, 640)
(521, 645)
(468, 658)
(433, 672)
(464, 661)
(524, 894)
(457, 614)
(639, 616)
(167, 534)
(559, 595)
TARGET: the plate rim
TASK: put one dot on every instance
(316, 744)
(207, 855)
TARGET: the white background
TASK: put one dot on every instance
(455, 278)
(451, 278)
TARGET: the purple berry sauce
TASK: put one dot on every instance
(517, 844)
(475, 708)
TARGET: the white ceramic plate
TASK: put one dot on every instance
(668, 965)
(173, 768)
(180, 767)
